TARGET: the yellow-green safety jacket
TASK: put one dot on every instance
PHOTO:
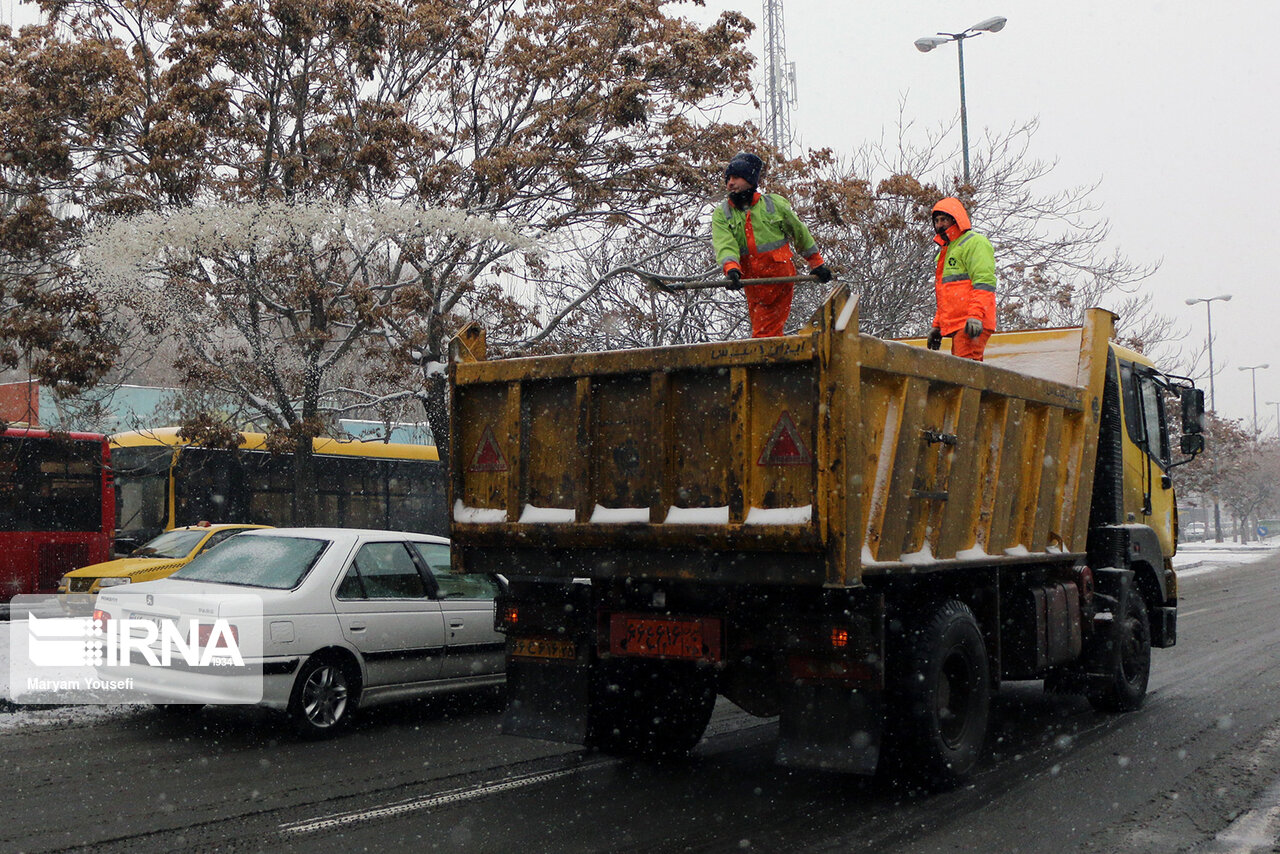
(774, 228)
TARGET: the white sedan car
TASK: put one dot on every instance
(349, 618)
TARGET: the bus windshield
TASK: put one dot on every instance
(142, 489)
(50, 484)
(56, 507)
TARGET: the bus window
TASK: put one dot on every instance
(415, 503)
(378, 485)
(209, 485)
(268, 484)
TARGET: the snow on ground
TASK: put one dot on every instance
(1191, 559)
(1199, 558)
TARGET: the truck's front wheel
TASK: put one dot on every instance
(1126, 688)
(649, 707)
(940, 699)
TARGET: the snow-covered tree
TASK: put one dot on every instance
(293, 308)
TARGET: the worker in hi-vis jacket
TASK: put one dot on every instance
(753, 234)
(964, 281)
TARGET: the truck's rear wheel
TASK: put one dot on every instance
(1127, 686)
(647, 708)
(940, 700)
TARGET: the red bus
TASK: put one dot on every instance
(57, 507)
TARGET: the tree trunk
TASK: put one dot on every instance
(436, 407)
(304, 483)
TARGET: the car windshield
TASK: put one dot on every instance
(171, 544)
(256, 561)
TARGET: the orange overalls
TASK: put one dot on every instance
(767, 229)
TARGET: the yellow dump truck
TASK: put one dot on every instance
(860, 536)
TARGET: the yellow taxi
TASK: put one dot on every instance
(160, 557)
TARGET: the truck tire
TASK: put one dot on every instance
(1126, 688)
(649, 708)
(939, 700)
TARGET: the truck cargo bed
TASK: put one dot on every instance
(817, 458)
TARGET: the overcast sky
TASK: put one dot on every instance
(1170, 105)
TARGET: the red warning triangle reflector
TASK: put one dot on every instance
(488, 456)
(784, 446)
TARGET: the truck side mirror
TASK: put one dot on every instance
(1192, 411)
(1192, 422)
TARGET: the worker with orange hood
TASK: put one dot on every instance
(964, 281)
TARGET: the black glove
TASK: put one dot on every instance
(973, 327)
(735, 279)
(823, 273)
(935, 338)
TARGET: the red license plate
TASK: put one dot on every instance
(685, 638)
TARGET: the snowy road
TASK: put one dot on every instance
(1195, 769)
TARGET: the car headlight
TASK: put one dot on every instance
(112, 582)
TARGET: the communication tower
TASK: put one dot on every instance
(780, 79)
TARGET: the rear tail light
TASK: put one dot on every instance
(205, 631)
(509, 616)
(839, 637)
(100, 620)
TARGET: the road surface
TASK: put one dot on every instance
(1196, 769)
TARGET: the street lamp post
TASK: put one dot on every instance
(1208, 313)
(1253, 372)
(1276, 404)
(928, 43)
(1213, 459)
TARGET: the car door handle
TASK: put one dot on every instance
(356, 627)
(456, 625)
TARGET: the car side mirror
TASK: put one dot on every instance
(1192, 443)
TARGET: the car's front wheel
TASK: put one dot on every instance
(324, 698)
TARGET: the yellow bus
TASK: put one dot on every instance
(163, 482)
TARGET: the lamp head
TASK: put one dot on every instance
(928, 43)
(990, 25)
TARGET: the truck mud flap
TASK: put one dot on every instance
(547, 700)
(830, 727)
